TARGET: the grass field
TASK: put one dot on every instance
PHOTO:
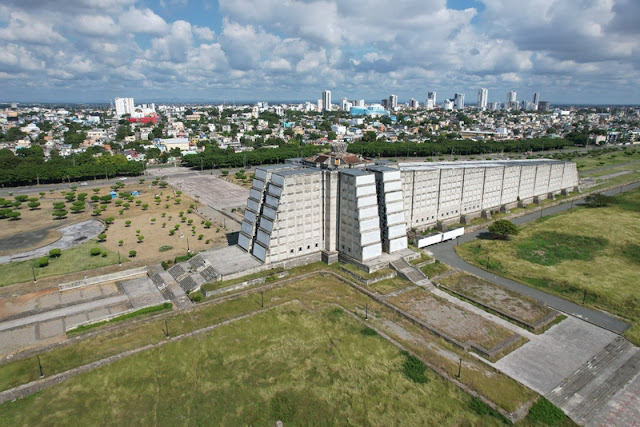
(287, 364)
(315, 292)
(587, 163)
(74, 259)
(588, 254)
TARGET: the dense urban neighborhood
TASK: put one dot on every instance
(74, 142)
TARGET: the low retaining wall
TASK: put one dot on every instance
(368, 281)
(101, 279)
(534, 326)
(242, 285)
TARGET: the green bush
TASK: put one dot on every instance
(95, 251)
(369, 331)
(481, 408)
(183, 258)
(165, 248)
(43, 262)
(132, 254)
(414, 369)
(546, 413)
(196, 296)
(55, 253)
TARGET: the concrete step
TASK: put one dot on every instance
(596, 399)
(588, 371)
(589, 389)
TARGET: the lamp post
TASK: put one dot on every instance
(40, 367)
(33, 270)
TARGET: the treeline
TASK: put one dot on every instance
(461, 147)
(30, 167)
(214, 157)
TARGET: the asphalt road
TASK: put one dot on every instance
(445, 252)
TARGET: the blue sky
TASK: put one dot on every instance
(571, 51)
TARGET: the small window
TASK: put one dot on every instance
(308, 246)
(300, 249)
(291, 250)
(316, 245)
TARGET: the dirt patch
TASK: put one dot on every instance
(515, 305)
(454, 321)
(29, 240)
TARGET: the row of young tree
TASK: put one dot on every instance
(214, 157)
(461, 147)
(30, 167)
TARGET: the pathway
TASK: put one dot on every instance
(445, 252)
(72, 235)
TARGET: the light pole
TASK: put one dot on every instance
(40, 367)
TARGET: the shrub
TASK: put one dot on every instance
(109, 220)
(126, 205)
(97, 212)
(368, 331)
(207, 224)
(165, 248)
(95, 251)
(132, 254)
(59, 214)
(414, 369)
(140, 239)
(145, 206)
(33, 205)
(196, 296)
(153, 220)
(545, 412)
(120, 242)
(139, 202)
(200, 236)
(102, 237)
(55, 253)
(481, 408)
(43, 262)
(137, 232)
(127, 223)
(207, 241)
(172, 232)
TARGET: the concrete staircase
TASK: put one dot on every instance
(415, 276)
(590, 388)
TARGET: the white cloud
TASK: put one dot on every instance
(95, 25)
(23, 27)
(204, 33)
(143, 21)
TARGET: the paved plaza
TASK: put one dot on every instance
(43, 317)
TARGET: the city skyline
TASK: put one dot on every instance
(188, 50)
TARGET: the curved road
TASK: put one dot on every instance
(445, 252)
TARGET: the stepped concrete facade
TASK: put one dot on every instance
(342, 204)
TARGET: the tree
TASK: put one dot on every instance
(33, 205)
(55, 253)
(13, 216)
(502, 229)
(598, 200)
(43, 262)
(132, 254)
(59, 214)
(102, 237)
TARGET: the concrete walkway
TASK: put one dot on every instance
(445, 252)
(72, 235)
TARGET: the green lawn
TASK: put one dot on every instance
(607, 159)
(286, 364)
(588, 254)
(74, 259)
(315, 292)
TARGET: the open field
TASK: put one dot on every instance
(315, 292)
(287, 364)
(587, 163)
(72, 260)
(587, 255)
(143, 215)
(519, 307)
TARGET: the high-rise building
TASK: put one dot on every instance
(345, 104)
(483, 97)
(413, 104)
(458, 101)
(536, 98)
(447, 105)
(124, 106)
(326, 100)
(511, 100)
(393, 102)
(431, 101)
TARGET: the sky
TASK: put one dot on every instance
(571, 51)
